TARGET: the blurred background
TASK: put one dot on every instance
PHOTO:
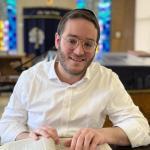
(27, 29)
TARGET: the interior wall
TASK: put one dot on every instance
(36, 3)
(142, 20)
(142, 25)
(122, 25)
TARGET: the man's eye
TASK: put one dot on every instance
(88, 44)
(72, 41)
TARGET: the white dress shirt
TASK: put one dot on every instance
(40, 98)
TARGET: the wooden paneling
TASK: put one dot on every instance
(122, 26)
(8, 64)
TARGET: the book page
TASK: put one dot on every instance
(42, 144)
(30, 144)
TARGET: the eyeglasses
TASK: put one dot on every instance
(73, 43)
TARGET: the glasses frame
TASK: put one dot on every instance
(82, 41)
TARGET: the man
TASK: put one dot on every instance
(71, 95)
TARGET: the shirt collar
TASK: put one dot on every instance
(52, 73)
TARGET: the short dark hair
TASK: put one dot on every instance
(79, 13)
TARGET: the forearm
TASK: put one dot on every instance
(115, 135)
(10, 130)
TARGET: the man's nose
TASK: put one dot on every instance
(79, 50)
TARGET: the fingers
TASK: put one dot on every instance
(86, 139)
(51, 132)
(79, 142)
(45, 131)
(74, 140)
(94, 143)
(33, 135)
(41, 132)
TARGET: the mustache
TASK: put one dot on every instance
(78, 56)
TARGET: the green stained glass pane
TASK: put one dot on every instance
(80, 3)
(11, 2)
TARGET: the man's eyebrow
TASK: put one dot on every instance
(72, 35)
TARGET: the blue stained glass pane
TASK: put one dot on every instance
(104, 18)
(9, 26)
(11, 17)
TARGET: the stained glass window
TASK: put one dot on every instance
(104, 17)
(3, 22)
(8, 37)
(103, 13)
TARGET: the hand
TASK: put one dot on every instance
(86, 139)
(45, 131)
(22, 135)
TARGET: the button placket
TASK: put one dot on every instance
(66, 108)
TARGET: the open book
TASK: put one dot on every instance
(42, 144)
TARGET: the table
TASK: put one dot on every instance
(115, 147)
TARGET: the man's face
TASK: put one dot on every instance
(74, 60)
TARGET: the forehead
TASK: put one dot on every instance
(80, 27)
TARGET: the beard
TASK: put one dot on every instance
(62, 58)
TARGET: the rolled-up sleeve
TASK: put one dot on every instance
(126, 115)
(138, 132)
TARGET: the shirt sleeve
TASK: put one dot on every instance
(14, 118)
(126, 115)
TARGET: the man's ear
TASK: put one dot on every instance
(57, 40)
